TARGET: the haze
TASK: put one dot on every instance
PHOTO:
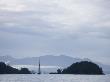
(77, 28)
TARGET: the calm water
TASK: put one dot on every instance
(54, 78)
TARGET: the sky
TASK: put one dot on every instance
(77, 28)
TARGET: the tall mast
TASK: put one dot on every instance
(39, 70)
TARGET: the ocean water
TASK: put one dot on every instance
(53, 78)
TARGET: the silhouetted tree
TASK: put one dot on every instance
(2, 68)
(24, 71)
(59, 71)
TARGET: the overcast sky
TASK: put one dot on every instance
(77, 28)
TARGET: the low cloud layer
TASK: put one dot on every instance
(38, 27)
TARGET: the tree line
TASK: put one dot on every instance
(6, 69)
(83, 67)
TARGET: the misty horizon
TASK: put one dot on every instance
(74, 28)
(62, 55)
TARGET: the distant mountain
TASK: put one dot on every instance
(7, 59)
(49, 60)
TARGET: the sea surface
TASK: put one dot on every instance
(53, 78)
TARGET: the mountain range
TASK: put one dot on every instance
(49, 60)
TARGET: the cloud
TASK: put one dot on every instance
(73, 27)
(12, 5)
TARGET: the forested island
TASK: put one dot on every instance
(6, 69)
(83, 67)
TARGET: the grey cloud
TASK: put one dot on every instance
(74, 27)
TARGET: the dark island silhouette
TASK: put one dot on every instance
(6, 69)
(83, 67)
